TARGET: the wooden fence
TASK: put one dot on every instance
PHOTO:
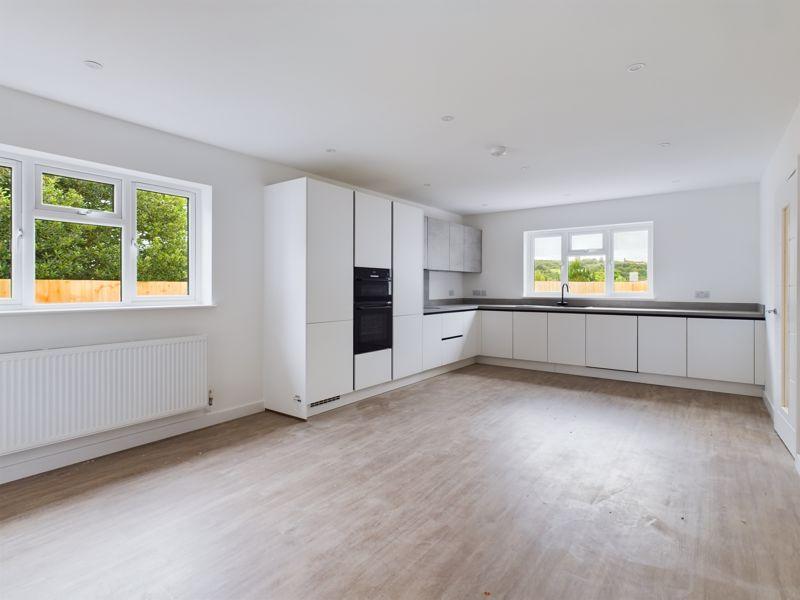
(580, 288)
(51, 291)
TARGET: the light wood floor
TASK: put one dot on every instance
(486, 482)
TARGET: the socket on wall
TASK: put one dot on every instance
(702, 294)
(451, 292)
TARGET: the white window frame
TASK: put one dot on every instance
(567, 253)
(86, 215)
(16, 231)
(27, 207)
(192, 225)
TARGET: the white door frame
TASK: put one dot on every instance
(785, 413)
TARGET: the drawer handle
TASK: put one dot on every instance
(452, 337)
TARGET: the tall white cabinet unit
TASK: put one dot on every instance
(408, 242)
(308, 294)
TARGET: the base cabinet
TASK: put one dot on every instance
(662, 345)
(611, 342)
(329, 360)
(497, 333)
(431, 341)
(530, 336)
(372, 368)
(406, 346)
(472, 334)
(566, 339)
(721, 349)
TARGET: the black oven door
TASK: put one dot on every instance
(372, 328)
(372, 286)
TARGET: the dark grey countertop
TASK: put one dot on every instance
(602, 307)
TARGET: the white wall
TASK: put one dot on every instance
(703, 240)
(234, 325)
(783, 162)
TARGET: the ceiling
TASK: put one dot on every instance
(286, 80)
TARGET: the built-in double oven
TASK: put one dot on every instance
(372, 314)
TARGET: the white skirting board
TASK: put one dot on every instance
(667, 380)
(46, 458)
(387, 387)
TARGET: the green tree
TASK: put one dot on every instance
(6, 235)
(162, 223)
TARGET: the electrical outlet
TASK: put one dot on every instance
(702, 294)
(483, 292)
(451, 292)
(476, 292)
(210, 397)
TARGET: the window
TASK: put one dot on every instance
(6, 229)
(93, 236)
(607, 261)
(162, 243)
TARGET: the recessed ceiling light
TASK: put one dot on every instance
(93, 64)
(665, 144)
(427, 184)
(330, 150)
(525, 167)
(632, 68)
(484, 205)
(448, 118)
(498, 151)
(567, 195)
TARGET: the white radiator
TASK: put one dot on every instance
(49, 396)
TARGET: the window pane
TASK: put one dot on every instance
(631, 261)
(162, 240)
(60, 190)
(76, 262)
(547, 264)
(586, 241)
(587, 275)
(6, 234)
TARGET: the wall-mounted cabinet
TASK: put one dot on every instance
(373, 231)
(452, 247)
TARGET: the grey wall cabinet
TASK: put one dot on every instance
(452, 247)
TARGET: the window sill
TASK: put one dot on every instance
(49, 310)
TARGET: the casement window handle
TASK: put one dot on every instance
(17, 237)
(773, 311)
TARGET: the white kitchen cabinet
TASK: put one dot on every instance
(497, 333)
(761, 353)
(662, 345)
(456, 247)
(472, 334)
(438, 236)
(372, 368)
(373, 231)
(530, 336)
(721, 349)
(329, 360)
(611, 342)
(452, 324)
(408, 226)
(431, 341)
(566, 338)
(308, 294)
(452, 349)
(406, 346)
(329, 260)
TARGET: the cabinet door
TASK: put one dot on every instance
(456, 247)
(452, 324)
(438, 245)
(373, 231)
(721, 349)
(611, 342)
(662, 345)
(431, 341)
(329, 275)
(472, 334)
(329, 359)
(408, 242)
(372, 368)
(530, 336)
(473, 255)
(497, 336)
(566, 339)
(452, 349)
(761, 353)
(406, 346)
